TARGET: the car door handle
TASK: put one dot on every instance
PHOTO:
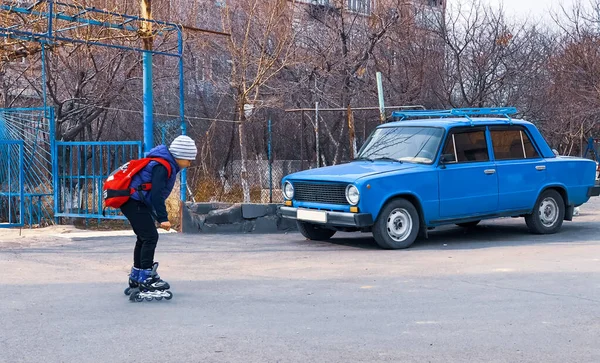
(540, 167)
(489, 171)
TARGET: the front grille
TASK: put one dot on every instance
(320, 192)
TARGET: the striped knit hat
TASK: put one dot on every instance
(183, 147)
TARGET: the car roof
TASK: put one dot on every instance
(457, 121)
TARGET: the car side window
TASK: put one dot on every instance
(470, 146)
(512, 144)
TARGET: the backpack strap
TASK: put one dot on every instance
(146, 187)
(164, 163)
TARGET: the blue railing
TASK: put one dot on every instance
(82, 168)
(12, 189)
(32, 127)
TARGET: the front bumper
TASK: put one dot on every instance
(333, 218)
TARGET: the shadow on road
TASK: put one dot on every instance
(486, 235)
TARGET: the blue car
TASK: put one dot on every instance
(432, 168)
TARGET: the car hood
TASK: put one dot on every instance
(350, 172)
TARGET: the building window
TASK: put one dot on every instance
(314, 2)
(360, 6)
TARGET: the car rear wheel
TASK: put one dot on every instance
(548, 213)
(315, 232)
(397, 225)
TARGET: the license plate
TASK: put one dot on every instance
(312, 215)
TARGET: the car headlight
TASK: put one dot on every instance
(288, 190)
(352, 194)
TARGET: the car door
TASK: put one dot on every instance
(520, 168)
(468, 183)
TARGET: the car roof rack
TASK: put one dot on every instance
(460, 112)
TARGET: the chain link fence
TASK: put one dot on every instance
(216, 175)
(276, 146)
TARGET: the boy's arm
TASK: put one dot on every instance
(159, 183)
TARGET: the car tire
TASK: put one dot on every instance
(468, 224)
(315, 232)
(548, 213)
(397, 225)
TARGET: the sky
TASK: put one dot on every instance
(531, 9)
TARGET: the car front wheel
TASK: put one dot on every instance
(397, 225)
(548, 213)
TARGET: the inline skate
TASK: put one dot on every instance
(133, 276)
(150, 286)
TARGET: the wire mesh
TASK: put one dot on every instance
(34, 128)
(82, 169)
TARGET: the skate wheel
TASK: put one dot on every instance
(159, 298)
(127, 291)
(135, 296)
(149, 298)
(170, 295)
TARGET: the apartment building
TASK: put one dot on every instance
(419, 10)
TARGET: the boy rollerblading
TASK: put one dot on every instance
(140, 188)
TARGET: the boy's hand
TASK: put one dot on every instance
(165, 225)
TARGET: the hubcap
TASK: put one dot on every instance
(399, 224)
(548, 212)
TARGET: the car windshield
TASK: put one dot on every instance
(410, 143)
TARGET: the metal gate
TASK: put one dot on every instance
(12, 189)
(33, 130)
(82, 168)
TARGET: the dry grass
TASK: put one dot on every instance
(212, 190)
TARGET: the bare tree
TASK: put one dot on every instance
(337, 46)
(575, 78)
(260, 46)
(488, 61)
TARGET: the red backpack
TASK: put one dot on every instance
(117, 190)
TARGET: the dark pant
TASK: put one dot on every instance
(143, 225)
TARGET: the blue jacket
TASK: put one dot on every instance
(156, 198)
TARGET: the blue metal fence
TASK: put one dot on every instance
(33, 128)
(12, 189)
(82, 168)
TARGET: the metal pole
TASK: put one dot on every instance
(270, 165)
(43, 46)
(55, 160)
(50, 16)
(317, 133)
(183, 183)
(302, 142)
(148, 99)
(380, 95)
(148, 102)
(21, 184)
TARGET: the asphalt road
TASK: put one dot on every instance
(492, 294)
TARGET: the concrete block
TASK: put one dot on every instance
(267, 224)
(239, 227)
(229, 215)
(251, 211)
(205, 208)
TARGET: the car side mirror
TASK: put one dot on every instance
(555, 152)
(447, 158)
